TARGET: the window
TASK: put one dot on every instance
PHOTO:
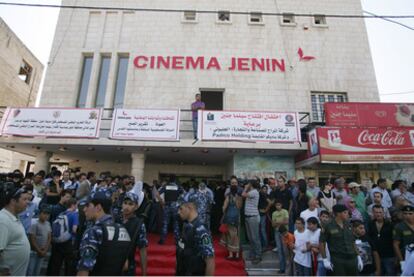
(213, 99)
(288, 19)
(319, 20)
(190, 16)
(319, 98)
(102, 82)
(256, 18)
(223, 17)
(121, 78)
(25, 72)
(84, 84)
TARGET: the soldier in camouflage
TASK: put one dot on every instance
(204, 201)
(101, 254)
(195, 252)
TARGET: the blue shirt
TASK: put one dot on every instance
(89, 246)
(26, 216)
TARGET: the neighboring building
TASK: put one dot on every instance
(137, 59)
(20, 76)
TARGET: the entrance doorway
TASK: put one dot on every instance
(213, 98)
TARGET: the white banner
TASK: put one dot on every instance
(146, 124)
(52, 122)
(249, 126)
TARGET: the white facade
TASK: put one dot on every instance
(342, 65)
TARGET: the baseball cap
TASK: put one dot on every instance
(132, 196)
(353, 185)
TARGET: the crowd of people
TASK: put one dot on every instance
(93, 224)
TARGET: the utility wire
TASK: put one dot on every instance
(198, 11)
(390, 20)
(396, 93)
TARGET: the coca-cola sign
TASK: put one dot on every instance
(369, 114)
(366, 144)
(373, 137)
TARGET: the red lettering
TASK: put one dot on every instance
(177, 62)
(243, 64)
(213, 63)
(267, 65)
(280, 65)
(199, 62)
(137, 64)
(256, 63)
(390, 137)
(152, 62)
(164, 62)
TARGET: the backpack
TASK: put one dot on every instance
(60, 229)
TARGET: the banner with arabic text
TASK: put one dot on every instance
(145, 124)
(249, 126)
(52, 122)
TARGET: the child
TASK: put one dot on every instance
(289, 245)
(302, 254)
(313, 244)
(280, 217)
(40, 236)
(137, 232)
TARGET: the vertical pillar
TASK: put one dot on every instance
(42, 161)
(138, 165)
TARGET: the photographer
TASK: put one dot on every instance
(14, 245)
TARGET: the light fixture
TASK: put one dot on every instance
(36, 147)
(10, 146)
(62, 148)
(261, 151)
(233, 151)
(146, 149)
(120, 148)
(175, 150)
(205, 151)
(90, 148)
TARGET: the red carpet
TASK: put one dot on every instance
(161, 259)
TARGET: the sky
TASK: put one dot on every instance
(392, 46)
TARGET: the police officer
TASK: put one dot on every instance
(204, 201)
(345, 260)
(403, 234)
(195, 252)
(126, 186)
(105, 245)
(137, 232)
(171, 192)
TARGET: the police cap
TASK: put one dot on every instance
(408, 208)
(339, 208)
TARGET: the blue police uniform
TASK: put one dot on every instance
(171, 211)
(193, 248)
(204, 201)
(89, 246)
(117, 208)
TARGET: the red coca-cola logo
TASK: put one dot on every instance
(388, 138)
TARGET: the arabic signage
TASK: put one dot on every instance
(52, 122)
(366, 144)
(369, 114)
(146, 124)
(248, 126)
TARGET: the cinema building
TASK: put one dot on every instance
(264, 75)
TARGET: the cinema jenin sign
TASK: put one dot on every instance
(209, 63)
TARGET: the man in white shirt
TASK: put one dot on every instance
(312, 211)
(402, 192)
(386, 201)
